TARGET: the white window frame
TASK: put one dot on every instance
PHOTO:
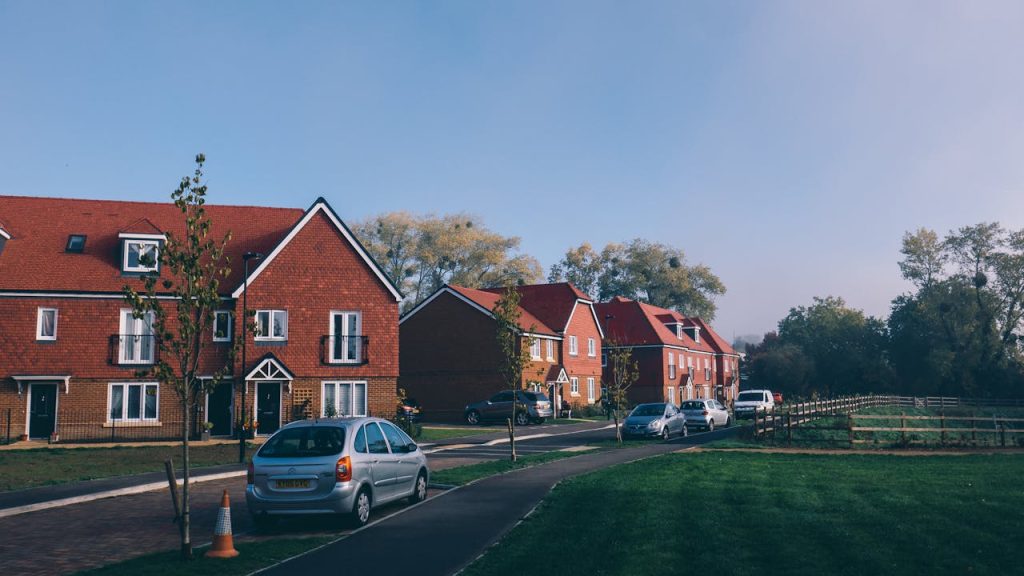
(550, 344)
(128, 242)
(271, 313)
(574, 386)
(137, 347)
(344, 359)
(574, 347)
(124, 401)
(672, 395)
(591, 347)
(39, 324)
(591, 390)
(231, 325)
(671, 365)
(337, 384)
(535, 349)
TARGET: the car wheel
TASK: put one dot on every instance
(473, 417)
(419, 491)
(361, 508)
(665, 433)
(538, 420)
(522, 419)
(711, 425)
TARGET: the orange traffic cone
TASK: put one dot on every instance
(223, 544)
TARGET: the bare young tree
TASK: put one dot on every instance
(180, 301)
(515, 354)
(623, 371)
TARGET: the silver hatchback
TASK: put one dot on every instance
(706, 413)
(335, 466)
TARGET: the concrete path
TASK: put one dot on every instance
(445, 534)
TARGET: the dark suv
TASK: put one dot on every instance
(533, 407)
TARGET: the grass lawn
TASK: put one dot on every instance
(466, 474)
(252, 557)
(432, 433)
(45, 466)
(757, 514)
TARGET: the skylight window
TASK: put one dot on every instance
(76, 243)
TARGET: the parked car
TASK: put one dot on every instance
(535, 407)
(750, 401)
(705, 413)
(655, 419)
(335, 466)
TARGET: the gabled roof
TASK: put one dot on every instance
(714, 340)
(632, 323)
(321, 206)
(35, 260)
(554, 304)
(484, 301)
(269, 368)
(141, 226)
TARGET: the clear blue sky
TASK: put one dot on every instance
(787, 145)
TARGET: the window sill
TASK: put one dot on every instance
(133, 424)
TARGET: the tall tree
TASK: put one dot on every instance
(180, 303)
(923, 257)
(645, 271)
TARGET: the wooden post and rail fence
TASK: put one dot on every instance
(839, 415)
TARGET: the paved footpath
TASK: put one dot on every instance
(444, 534)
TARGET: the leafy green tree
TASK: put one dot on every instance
(645, 271)
(192, 266)
(622, 372)
(923, 257)
(515, 354)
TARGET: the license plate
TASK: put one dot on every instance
(293, 483)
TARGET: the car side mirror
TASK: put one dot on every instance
(411, 447)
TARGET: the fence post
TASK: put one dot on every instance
(789, 429)
(942, 425)
(849, 425)
(974, 429)
(1002, 434)
(903, 427)
(8, 426)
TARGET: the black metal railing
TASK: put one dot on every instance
(133, 350)
(74, 426)
(344, 350)
(5, 426)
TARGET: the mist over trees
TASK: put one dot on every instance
(957, 333)
(422, 253)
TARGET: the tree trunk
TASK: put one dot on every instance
(186, 534)
(512, 436)
(618, 431)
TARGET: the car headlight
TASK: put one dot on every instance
(654, 423)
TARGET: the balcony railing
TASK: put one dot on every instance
(133, 350)
(344, 350)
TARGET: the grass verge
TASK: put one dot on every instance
(755, 514)
(466, 474)
(252, 557)
(47, 466)
(432, 434)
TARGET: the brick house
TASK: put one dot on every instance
(679, 358)
(70, 353)
(450, 356)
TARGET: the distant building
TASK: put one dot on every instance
(679, 357)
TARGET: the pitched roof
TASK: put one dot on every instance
(717, 342)
(488, 298)
(35, 259)
(552, 304)
(632, 323)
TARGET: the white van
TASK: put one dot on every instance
(751, 401)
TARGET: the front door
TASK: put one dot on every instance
(42, 410)
(268, 407)
(218, 409)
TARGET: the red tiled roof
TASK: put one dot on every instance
(551, 303)
(488, 298)
(635, 323)
(716, 341)
(35, 260)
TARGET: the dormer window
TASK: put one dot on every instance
(140, 254)
(76, 244)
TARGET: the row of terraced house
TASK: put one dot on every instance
(329, 337)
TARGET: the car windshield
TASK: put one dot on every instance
(750, 397)
(304, 441)
(649, 410)
(692, 405)
(535, 396)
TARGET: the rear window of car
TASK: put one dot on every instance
(692, 405)
(535, 396)
(750, 397)
(305, 441)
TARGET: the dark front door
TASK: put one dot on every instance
(42, 412)
(268, 407)
(218, 407)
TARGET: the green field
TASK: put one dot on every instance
(45, 466)
(756, 513)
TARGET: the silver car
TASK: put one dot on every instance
(533, 407)
(335, 466)
(706, 413)
(655, 419)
